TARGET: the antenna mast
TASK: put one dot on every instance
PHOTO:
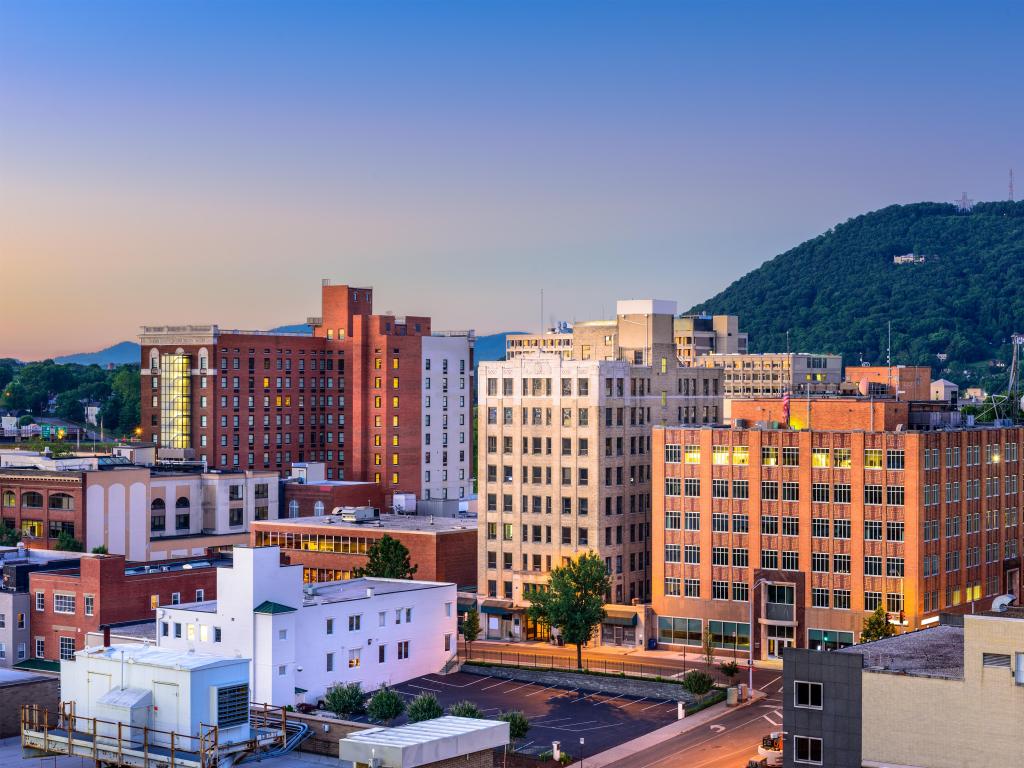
(1011, 185)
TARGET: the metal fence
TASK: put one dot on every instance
(609, 666)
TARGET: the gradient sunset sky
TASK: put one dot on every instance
(175, 162)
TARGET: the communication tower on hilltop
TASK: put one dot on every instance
(964, 204)
(1011, 185)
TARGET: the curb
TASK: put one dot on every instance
(629, 748)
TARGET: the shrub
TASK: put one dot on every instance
(698, 682)
(385, 705)
(729, 668)
(465, 709)
(345, 699)
(518, 724)
(424, 707)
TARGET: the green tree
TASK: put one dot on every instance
(387, 558)
(470, 629)
(69, 406)
(707, 647)
(25, 420)
(345, 699)
(385, 705)
(518, 725)
(57, 448)
(424, 707)
(698, 682)
(877, 626)
(68, 543)
(573, 600)
(9, 537)
(465, 709)
(729, 670)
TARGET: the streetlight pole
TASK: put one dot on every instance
(750, 636)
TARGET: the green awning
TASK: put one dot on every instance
(619, 618)
(268, 606)
(496, 609)
(300, 690)
(465, 603)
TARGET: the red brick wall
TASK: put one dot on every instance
(47, 484)
(117, 597)
(364, 494)
(444, 556)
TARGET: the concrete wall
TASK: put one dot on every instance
(450, 413)
(611, 684)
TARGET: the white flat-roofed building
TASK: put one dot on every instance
(438, 742)
(303, 639)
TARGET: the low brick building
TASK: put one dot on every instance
(320, 497)
(19, 688)
(105, 589)
(328, 548)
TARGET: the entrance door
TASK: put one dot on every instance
(618, 635)
(165, 709)
(776, 645)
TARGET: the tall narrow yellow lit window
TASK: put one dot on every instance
(376, 363)
(376, 459)
(394, 382)
(394, 458)
(394, 363)
(394, 401)
(394, 478)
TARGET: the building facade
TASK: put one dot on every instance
(67, 603)
(772, 374)
(350, 396)
(565, 459)
(329, 548)
(809, 530)
(698, 335)
(16, 563)
(904, 382)
(303, 639)
(950, 696)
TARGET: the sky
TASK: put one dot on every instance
(195, 162)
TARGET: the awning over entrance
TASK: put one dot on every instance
(465, 603)
(620, 618)
(494, 608)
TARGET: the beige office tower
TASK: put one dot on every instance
(697, 335)
(565, 461)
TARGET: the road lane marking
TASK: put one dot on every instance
(771, 721)
(424, 688)
(609, 701)
(479, 679)
(635, 701)
(495, 685)
(657, 704)
(541, 690)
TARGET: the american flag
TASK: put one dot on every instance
(785, 407)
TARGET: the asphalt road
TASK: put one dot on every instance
(727, 742)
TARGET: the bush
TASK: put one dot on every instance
(465, 709)
(729, 668)
(100, 550)
(518, 724)
(385, 705)
(345, 699)
(424, 707)
(698, 682)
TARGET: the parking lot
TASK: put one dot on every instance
(556, 714)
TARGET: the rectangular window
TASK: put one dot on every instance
(63, 603)
(807, 695)
(807, 750)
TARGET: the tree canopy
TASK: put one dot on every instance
(573, 600)
(877, 626)
(387, 558)
(836, 292)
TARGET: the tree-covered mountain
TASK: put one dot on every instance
(837, 292)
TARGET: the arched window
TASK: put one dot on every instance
(158, 516)
(293, 508)
(61, 501)
(32, 500)
(318, 509)
(182, 516)
(158, 505)
(10, 500)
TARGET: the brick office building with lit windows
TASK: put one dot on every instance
(877, 503)
(377, 398)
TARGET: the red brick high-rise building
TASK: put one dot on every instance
(375, 397)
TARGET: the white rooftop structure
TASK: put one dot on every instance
(645, 307)
(424, 743)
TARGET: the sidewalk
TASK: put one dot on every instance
(648, 740)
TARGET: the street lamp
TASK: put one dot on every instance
(750, 636)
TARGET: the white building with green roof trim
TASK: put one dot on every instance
(304, 638)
